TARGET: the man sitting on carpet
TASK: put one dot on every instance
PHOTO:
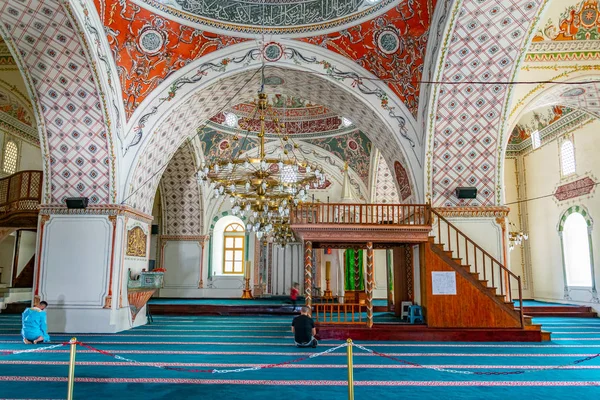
(35, 329)
(304, 329)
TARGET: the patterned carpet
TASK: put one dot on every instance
(429, 370)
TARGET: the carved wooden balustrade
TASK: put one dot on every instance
(363, 214)
(20, 196)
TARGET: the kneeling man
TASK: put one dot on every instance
(304, 329)
(35, 328)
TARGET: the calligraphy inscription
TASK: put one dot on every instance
(136, 242)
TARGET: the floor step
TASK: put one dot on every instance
(564, 314)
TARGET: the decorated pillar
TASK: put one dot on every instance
(370, 276)
(308, 273)
(84, 262)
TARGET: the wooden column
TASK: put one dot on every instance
(370, 276)
(308, 273)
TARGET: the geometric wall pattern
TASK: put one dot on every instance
(484, 46)
(184, 121)
(65, 86)
(385, 184)
(181, 194)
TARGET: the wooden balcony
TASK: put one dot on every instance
(20, 196)
(332, 225)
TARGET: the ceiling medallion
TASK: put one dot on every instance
(151, 41)
(576, 92)
(388, 40)
(272, 52)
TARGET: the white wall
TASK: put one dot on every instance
(7, 250)
(542, 177)
(26, 249)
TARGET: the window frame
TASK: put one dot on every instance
(579, 209)
(561, 145)
(234, 234)
(7, 142)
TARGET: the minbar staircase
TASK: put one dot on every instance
(484, 272)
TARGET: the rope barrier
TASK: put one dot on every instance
(213, 371)
(484, 373)
(34, 350)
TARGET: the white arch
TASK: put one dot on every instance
(303, 59)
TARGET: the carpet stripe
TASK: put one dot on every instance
(304, 366)
(297, 382)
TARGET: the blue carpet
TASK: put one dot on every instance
(536, 303)
(226, 343)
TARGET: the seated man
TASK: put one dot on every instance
(35, 329)
(304, 329)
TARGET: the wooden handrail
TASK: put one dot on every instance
(361, 214)
(505, 287)
(346, 313)
(21, 191)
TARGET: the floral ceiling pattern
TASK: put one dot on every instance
(536, 121)
(391, 46)
(147, 48)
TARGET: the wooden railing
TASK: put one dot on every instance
(20, 192)
(481, 262)
(336, 313)
(364, 214)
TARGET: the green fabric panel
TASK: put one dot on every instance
(350, 275)
(388, 255)
(349, 269)
(361, 271)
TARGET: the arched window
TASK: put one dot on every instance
(576, 250)
(233, 249)
(567, 158)
(11, 155)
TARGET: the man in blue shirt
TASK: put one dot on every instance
(35, 329)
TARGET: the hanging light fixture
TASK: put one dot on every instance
(516, 237)
(264, 188)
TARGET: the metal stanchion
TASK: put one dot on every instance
(71, 380)
(350, 371)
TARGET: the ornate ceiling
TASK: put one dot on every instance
(298, 116)
(269, 16)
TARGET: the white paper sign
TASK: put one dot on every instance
(443, 282)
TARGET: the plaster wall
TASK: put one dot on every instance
(26, 249)
(543, 176)
(7, 251)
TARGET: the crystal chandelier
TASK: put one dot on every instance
(264, 188)
(516, 237)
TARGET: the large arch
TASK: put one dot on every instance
(51, 51)
(483, 42)
(306, 72)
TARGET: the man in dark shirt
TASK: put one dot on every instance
(304, 329)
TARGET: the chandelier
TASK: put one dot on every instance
(516, 237)
(264, 188)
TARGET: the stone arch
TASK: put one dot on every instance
(483, 42)
(307, 73)
(76, 138)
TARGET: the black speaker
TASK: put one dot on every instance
(154, 230)
(466, 192)
(77, 202)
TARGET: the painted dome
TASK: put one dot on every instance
(274, 16)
